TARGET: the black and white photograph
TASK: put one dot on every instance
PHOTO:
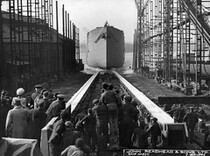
(104, 77)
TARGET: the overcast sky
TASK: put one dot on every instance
(89, 14)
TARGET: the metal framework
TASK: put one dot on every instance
(172, 40)
(32, 45)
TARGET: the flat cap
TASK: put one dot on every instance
(95, 101)
(46, 93)
(43, 90)
(192, 108)
(61, 96)
(133, 102)
(38, 86)
(128, 98)
(154, 119)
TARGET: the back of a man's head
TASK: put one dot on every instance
(17, 102)
(64, 115)
(105, 85)
(80, 143)
(128, 98)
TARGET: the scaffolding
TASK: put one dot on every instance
(32, 45)
(172, 41)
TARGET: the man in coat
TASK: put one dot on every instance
(111, 99)
(17, 121)
(127, 117)
(56, 137)
(79, 149)
(89, 122)
(101, 112)
(38, 118)
(38, 89)
(191, 119)
(109, 95)
(47, 100)
(154, 131)
(4, 108)
(20, 92)
(56, 107)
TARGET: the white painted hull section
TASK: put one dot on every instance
(105, 47)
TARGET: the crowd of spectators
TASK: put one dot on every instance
(113, 123)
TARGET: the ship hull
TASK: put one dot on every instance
(105, 48)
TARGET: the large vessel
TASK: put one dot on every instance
(105, 47)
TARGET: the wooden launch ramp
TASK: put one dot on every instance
(93, 87)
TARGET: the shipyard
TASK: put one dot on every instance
(104, 78)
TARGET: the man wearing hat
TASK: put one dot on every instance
(39, 97)
(56, 107)
(110, 98)
(19, 93)
(154, 131)
(47, 100)
(5, 99)
(191, 119)
(17, 121)
(38, 118)
(101, 113)
(127, 116)
(56, 137)
(38, 89)
(109, 95)
(79, 149)
(5, 106)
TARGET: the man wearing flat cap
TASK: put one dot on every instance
(101, 112)
(56, 107)
(38, 117)
(154, 132)
(191, 119)
(127, 116)
(47, 100)
(38, 89)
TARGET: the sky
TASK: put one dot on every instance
(89, 14)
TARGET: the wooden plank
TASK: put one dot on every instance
(155, 111)
(45, 133)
